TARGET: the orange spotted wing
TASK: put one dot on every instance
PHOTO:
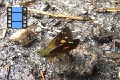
(61, 44)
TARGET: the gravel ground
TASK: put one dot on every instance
(97, 57)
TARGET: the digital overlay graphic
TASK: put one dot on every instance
(17, 17)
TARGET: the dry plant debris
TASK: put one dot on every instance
(119, 73)
(8, 67)
(59, 15)
(115, 1)
(108, 9)
(24, 36)
(3, 32)
(26, 2)
(41, 72)
(116, 42)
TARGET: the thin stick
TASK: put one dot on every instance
(4, 33)
(41, 72)
(115, 1)
(59, 15)
(26, 2)
(118, 73)
(9, 67)
(109, 9)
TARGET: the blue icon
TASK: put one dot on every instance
(17, 17)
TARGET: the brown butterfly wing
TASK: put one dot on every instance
(64, 36)
(66, 47)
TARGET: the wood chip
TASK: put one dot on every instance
(24, 36)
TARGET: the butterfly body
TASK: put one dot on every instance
(45, 52)
(60, 45)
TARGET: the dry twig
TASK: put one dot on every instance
(3, 34)
(115, 1)
(8, 67)
(26, 2)
(41, 72)
(118, 73)
(109, 9)
(58, 15)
